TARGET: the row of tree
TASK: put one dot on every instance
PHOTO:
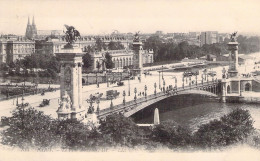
(29, 128)
(172, 51)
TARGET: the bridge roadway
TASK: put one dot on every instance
(169, 77)
(209, 89)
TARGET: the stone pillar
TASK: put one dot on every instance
(138, 58)
(233, 67)
(71, 84)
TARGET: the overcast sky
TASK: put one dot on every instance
(147, 16)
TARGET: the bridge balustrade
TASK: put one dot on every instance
(133, 104)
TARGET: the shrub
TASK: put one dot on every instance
(29, 128)
(230, 129)
(172, 135)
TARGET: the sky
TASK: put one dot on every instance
(146, 16)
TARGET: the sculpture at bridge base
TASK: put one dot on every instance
(65, 103)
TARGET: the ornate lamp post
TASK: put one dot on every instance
(159, 80)
(91, 107)
(175, 82)
(162, 72)
(135, 94)
(128, 82)
(164, 86)
(107, 80)
(196, 79)
(145, 89)
(124, 97)
(98, 101)
(190, 81)
(111, 104)
(183, 81)
(202, 78)
(49, 84)
(155, 88)
(7, 94)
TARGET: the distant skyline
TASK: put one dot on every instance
(147, 16)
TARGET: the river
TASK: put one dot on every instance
(193, 110)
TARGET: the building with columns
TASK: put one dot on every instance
(121, 58)
(12, 49)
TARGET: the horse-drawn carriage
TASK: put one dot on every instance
(120, 83)
(45, 102)
(112, 93)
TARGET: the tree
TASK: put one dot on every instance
(29, 128)
(119, 130)
(87, 63)
(171, 134)
(98, 66)
(73, 133)
(100, 45)
(115, 45)
(108, 61)
(230, 129)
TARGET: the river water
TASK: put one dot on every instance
(193, 110)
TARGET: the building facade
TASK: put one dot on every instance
(120, 58)
(12, 50)
(208, 37)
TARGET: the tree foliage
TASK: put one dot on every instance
(171, 134)
(30, 128)
(112, 45)
(87, 62)
(108, 61)
(230, 129)
(168, 50)
(119, 130)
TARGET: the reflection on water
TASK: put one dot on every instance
(193, 111)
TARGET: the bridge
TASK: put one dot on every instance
(210, 89)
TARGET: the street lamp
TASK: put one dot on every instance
(98, 101)
(107, 80)
(135, 94)
(111, 104)
(124, 97)
(159, 80)
(190, 81)
(176, 82)
(145, 89)
(49, 84)
(196, 79)
(155, 88)
(91, 107)
(164, 86)
(162, 72)
(128, 81)
(202, 79)
(183, 81)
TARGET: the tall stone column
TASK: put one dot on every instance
(233, 67)
(138, 58)
(71, 84)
